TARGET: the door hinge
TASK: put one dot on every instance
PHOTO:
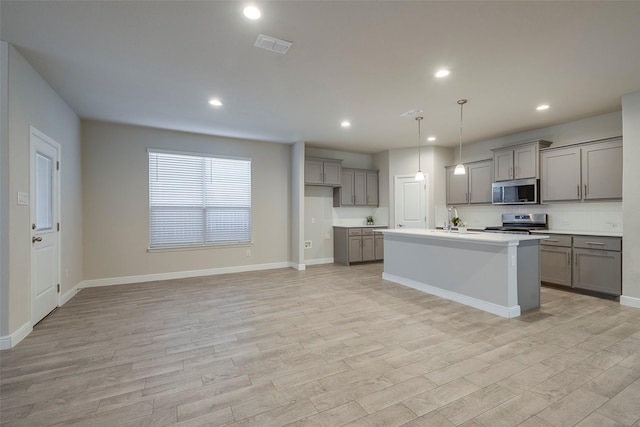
(58, 165)
(58, 287)
(58, 226)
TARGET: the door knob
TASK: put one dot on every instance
(36, 239)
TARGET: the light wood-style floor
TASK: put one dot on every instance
(329, 346)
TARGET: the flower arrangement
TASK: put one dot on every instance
(369, 220)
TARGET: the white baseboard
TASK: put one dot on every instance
(12, 340)
(630, 301)
(490, 307)
(180, 274)
(318, 261)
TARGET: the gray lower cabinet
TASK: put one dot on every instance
(583, 262)
(357, 244)
(597, 264)
(555, 260)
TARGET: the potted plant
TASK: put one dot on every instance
(459, 223)
(369, 220)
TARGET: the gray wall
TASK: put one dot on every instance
(631, 196)
(115, 176)
(31, 101)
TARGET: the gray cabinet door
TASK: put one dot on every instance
(372, 189)
(379, 246)
(602, 171)
(313, 170)
(368, 248)
(525, 161)
(555, 265)
(332, 172)
(597, 270)
(480, 179)
(457, 188)
(346, 192)
(503, 164)
(355, 249)
(360, 188)
(560, 175)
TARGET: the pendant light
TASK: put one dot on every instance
(460, 169)
(419, 174)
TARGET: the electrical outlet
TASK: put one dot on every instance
(307, 244)
(248, 252)
(313, 220)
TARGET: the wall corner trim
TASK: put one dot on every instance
(12, 340)
(296, 266)
(630, 301)
(70, 294)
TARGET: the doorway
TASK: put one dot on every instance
(45, 224)
(410, 200)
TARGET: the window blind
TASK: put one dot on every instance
(198, 200)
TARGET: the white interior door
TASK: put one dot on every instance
(410, 202)
(45, 243)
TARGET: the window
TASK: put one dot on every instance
(198, 200)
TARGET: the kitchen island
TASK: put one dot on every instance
(498, 273)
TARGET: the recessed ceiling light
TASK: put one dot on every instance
(442, 73)
(215, 102)
(431, 138)
(345, 124)
(542, 107)
(252, 12)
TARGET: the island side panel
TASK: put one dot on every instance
(474, 270)
(529, 274)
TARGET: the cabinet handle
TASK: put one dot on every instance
(578, 190)
(510, 173)
(515, 172)
(595, 243)
(585, 190)
(568, 258)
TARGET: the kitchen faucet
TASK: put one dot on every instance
(452, 212)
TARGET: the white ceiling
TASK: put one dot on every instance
(157, 63)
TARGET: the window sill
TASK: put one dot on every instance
(200, 247)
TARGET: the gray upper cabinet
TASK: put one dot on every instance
(372, 188)
(584, 172)
(457, 187)
(322, 172)
(472, 188)
(480, 179)
(359, 188)
(602, 171)
(518, 161)
(560, 175)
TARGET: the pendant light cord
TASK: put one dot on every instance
(419, 119)
(461, 102)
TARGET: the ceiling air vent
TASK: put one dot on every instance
(273, 44)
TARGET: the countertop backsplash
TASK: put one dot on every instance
(595, 217)
(356, 216)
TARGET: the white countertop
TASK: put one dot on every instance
(480, 237)
(582, 233)
(360, 226)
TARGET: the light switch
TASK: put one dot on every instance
(23, 198)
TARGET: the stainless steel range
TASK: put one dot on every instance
(520, 223)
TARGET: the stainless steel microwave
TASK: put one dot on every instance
(516, 192)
